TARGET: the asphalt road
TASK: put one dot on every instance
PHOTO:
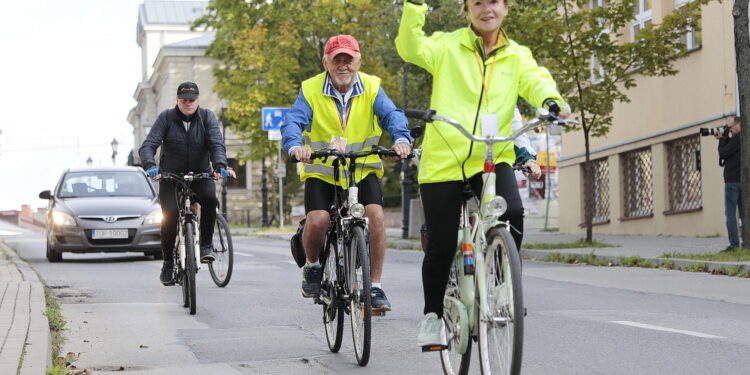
(582, 320)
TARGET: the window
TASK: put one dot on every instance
(105, 184)
(683, 163)
(241, 170)
(597, 4)
(597, 71)
(599, 191)
(691, 39)
(642, 18)
(637, 183)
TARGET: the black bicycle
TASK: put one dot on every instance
(345, 287)
(186, 260)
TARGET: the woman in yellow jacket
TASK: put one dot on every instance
(476, 71)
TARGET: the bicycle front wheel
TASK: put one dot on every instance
(190, 266)
(221, 267)
(501, 325)
(360, 304)
(333, 311)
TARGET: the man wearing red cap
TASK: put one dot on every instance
(345, 109)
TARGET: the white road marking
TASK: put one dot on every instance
(243, 254)
(665, 329)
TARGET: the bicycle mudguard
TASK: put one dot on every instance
(298, 251)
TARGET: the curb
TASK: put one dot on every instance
(709, 266)
(37, 344)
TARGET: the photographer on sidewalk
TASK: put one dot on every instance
(729, 158)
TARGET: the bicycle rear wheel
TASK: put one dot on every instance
(333, 311)
(190, 267)
(501, 326)
(360, 304)
(221, 267)
(456, 329)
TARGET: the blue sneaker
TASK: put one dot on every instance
(311, 276)
(379, 300)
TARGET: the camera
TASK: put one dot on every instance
(722, 131)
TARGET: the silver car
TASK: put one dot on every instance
(102, 209)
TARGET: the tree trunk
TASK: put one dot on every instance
(742, 51)
(588, 186)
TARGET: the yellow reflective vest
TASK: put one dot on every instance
(454, 59)
(362, 130)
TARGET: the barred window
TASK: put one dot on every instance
(638, 183)
(599, 193)
(683, 163)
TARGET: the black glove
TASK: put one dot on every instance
(552, 106)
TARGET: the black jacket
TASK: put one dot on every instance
(729, 155)
(185, 151)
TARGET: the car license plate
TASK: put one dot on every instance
(98, 234)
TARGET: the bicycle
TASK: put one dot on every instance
(186, 258)
(484, 298)
(223, 251)
(345, 286)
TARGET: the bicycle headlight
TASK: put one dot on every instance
(62, 219)
(497, 206)
(357, 210)
(153, 218)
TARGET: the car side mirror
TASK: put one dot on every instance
(45, 194)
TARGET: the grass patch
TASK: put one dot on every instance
(566, 245)
(590, 259)
(738, 254)
(715, 235)
(56, 322)
(404, 245)
(636, 261)
(695, 267)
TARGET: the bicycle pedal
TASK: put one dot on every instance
(434, 348)
(378, 312)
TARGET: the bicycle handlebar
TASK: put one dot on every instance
(544, 117)
(190, 176)
(377, 150)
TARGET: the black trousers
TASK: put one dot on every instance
(442, 210)
(206, 192)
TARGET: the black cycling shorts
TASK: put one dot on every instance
(319, 194)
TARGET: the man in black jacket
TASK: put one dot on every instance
(190, 141)
(729, 158)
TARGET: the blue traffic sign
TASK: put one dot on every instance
(273, 117)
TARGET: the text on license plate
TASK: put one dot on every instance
(98, 234)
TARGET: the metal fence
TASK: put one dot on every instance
(683, 163)
(638, 183)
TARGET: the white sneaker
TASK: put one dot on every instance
(431, 332)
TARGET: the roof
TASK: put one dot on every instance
(170, 12)
(200, 42)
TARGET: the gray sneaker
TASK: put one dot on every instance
(431, 331)
(311, 276)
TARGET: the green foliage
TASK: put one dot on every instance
(738, 254)
(695, 267)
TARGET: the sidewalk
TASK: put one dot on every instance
(648, 248)
(24, 330)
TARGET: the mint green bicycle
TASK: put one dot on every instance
(484, 297)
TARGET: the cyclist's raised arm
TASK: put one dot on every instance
(215, 141)
(536, 83)
(391, 118)
(154, 139)
(297, 119)
(411, 42)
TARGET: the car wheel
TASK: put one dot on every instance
(53, 256)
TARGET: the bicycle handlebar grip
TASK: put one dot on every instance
(424, 115)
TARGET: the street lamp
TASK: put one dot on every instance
(89, 162)
(114, 144)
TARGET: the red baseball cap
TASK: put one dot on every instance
(341, 44)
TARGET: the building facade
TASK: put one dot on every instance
(654, 173)
(172, 54)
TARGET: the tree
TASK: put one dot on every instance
(565, 35)
(742, 55)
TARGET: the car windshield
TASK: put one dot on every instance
(105, 184)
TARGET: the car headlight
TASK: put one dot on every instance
(62, 219)
(153, 218)
(357, 210)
